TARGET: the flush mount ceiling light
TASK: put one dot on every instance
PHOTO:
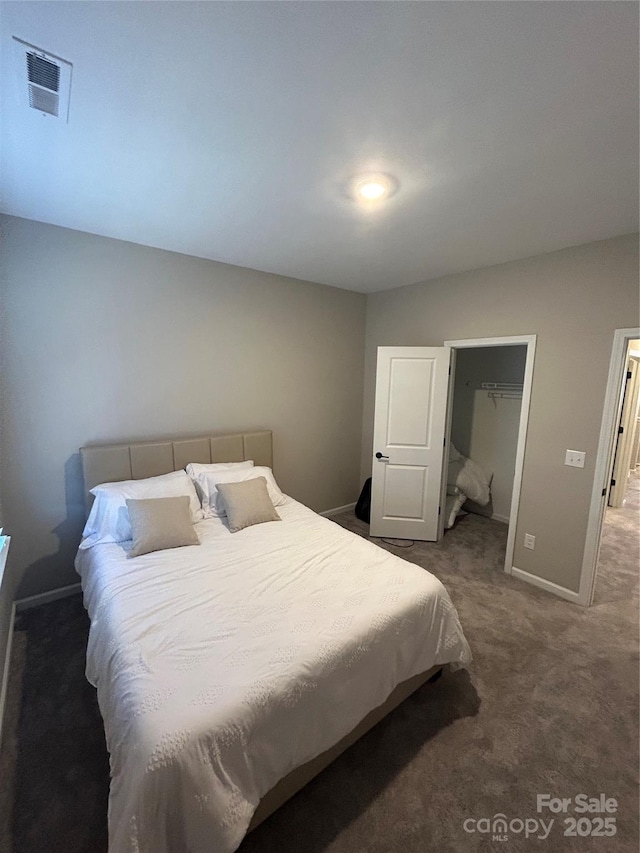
(373, 187)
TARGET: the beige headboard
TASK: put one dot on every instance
(111, 463)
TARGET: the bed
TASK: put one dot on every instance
(230, 673)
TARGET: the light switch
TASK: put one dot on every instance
(575, 458)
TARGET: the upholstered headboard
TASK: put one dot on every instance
(111, 463)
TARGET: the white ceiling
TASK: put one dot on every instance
(231, 130)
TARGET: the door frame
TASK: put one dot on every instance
(604, 459)
(510, 340)
(624, 442)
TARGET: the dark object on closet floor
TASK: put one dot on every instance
(363, 507)
(435, 676)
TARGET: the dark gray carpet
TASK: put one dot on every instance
(550, 705)
(61, 780)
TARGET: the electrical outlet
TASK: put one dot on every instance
(575, 458)
(529, 541)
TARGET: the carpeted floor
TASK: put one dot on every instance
(550, 705)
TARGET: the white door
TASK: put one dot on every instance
(407, 488)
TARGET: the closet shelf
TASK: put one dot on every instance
(503, 390)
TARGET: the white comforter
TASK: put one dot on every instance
(221, 667)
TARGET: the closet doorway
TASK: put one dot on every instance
(491, 389)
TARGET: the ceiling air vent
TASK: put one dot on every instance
(48, 79)
(43, 100)
(44, 83)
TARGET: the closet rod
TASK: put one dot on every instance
(503, 386)
(504, 395)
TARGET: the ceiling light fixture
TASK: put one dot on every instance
(373, 187)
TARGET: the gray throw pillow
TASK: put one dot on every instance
(159, 523)
(247, 503)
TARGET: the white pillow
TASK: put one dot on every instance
(213, 505)
(109, 517)
(467, 477)
(194, 469)
(470, 479)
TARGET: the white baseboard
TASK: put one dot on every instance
(46, 597)
(497, 517)
(548, 586)
(337, 509)
(5, 668)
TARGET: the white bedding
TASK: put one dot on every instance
(221, 667)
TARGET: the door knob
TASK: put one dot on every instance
(381, 456)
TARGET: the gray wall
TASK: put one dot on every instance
(573, 300)
(104, 340)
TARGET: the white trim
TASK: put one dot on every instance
(506, 341)
(548, 586)
(7, 663)
(610, 419)
(512, 340)
(337, 509)
(46, 597)
(444, 475)
(497, 517)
